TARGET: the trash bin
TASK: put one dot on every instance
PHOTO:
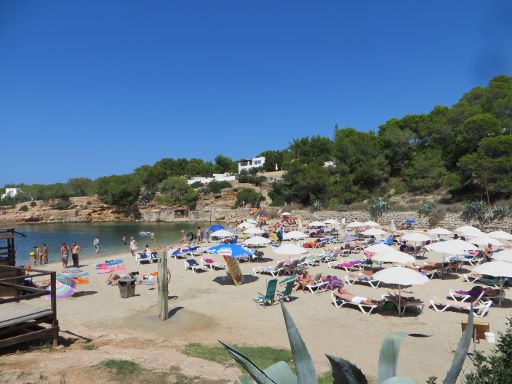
(126, 287)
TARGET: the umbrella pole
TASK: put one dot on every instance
(399, 300)
(501, 290)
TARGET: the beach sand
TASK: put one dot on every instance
(205, 309)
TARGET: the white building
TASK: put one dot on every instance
(255, 162)
(216, 177)
(10, 192)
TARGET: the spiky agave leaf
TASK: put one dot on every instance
(398, 380)
(344, 372)
(244, 380)
(256, 372)
(281, 373)
(461, 351)
(388, 358)
(302, 359)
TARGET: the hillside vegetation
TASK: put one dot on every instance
(464, 150)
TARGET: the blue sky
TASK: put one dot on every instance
(93, 88)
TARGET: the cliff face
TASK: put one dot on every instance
(82, 209)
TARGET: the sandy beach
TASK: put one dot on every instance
(205, 309)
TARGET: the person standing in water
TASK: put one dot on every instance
(96, 243)
(133, 246)
(44, 254)
(64, 255)
(124, 239)
(75, 253)
(153, 238)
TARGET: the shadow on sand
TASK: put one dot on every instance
(226, 280)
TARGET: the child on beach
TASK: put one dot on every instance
(96, 243)
(133, 246)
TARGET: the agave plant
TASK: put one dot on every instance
(343, 371)
(377, 207)
(316, 205)
(481, 212)
(426, 209)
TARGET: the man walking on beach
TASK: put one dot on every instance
(75, 252)
(64, 255)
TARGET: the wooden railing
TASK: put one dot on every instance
(24, 292)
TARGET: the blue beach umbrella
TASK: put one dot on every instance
(233, 250)
(215, 227)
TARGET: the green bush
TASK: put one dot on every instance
(33, 204)
(119, 191)
(61, 204)
(248, 196)
(175, 191)
(246, 177)
(495, 368)
(23, 208)
(217, 186)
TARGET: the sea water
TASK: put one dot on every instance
(110, 234)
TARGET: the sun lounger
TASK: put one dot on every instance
(480, 307)
(142, 258)
(363, 280)
(405, 302)
(210, 263)
(268, 298)
(194, 266)
(470, 278)
(310, 261)
(367, 309)
(274, 271)
(348, 266)
(317, 285)
(289, 282)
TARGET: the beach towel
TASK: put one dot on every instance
(72, 272)
(109, 263)
(110, 269)
(81, 280)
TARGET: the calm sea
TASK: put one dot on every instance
(83, 233)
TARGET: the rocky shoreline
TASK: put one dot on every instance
(91, 209)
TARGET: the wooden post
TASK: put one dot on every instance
(163, 288)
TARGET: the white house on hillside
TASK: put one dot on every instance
(10, 192)
(255, 162)
(216, 176)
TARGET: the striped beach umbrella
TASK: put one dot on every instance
(64, 288)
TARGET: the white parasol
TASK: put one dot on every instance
(290, 250)
(254, 231)
(373, 232)
(469, 231)
(400, 276)
(257, 241)
(221, 234)
(501, 235)
(294, 235)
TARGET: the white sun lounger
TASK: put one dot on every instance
(371, 282)
(365, 308)
(317, 285)
(480, 307)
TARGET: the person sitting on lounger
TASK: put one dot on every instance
(394, 297)
(303, 281)
(344, 294)
(363, 275)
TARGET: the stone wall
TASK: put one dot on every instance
(452, 220)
